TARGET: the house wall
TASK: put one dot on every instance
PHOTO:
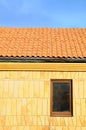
(25, 101)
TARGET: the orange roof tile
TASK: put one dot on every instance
(43, 42)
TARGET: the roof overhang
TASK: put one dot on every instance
(43, 59)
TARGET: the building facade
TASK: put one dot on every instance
(36, 94)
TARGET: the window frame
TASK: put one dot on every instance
(61, 114)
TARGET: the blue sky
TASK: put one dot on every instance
(43, 13)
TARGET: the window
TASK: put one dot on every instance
(61, 98)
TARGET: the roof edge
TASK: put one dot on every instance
(42, 60)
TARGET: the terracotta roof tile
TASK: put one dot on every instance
(43, 42)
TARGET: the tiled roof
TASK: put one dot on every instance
(43, 42)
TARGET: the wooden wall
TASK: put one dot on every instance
(25, 101)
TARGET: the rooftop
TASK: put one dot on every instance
(43, 43)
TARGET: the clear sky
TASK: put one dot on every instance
(43, 13)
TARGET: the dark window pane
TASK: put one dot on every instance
(61, 96)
